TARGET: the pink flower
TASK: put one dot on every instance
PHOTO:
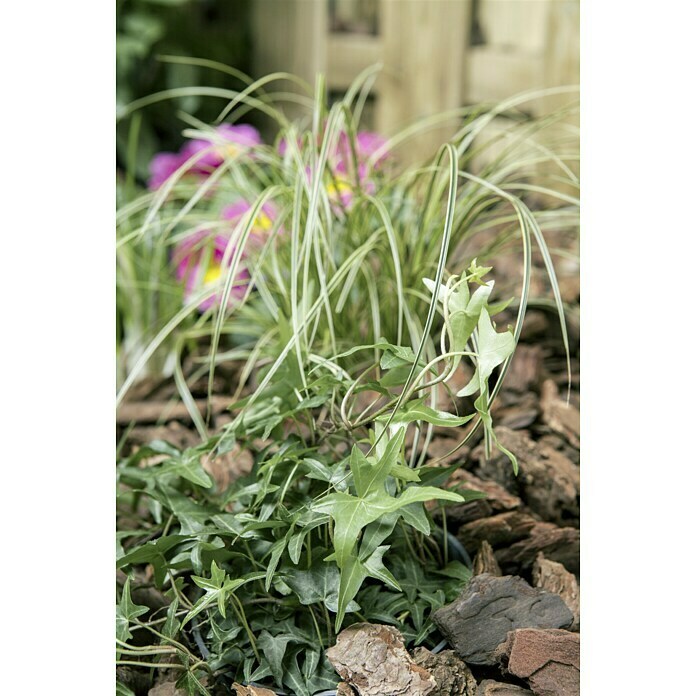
(262, 225)
(367, 144)
(341, 187)
(198, 260)
(162, 166)
(370, 153)
(225, 141)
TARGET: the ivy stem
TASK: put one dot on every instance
(241, 615)
(327, 618)
(182, 599)
(316, 626)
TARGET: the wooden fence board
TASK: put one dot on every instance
(429, 66)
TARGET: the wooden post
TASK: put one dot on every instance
(562, 68)
(424, 45)
(290, 36)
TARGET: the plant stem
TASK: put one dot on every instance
(316, 626)
(239, 610)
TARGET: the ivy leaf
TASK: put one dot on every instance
(493, 349)
(191, 515)
(463, 322)
(184, 464)
(273, 649)
(188, 466)
(415, 515)
(297, 540)
(396, 356)
(317, 470)
(276, 552)
(353, 575)
(150, 550)
(375, 568)
(126, 611)
(319, 584)
(351, 514)
(295, 679)
(369, 476)
(376, 532)
(442, 292)
(311, 663)
(192, 684)
(172, 624)
(404, 473)
(464, 310)
(477, 272)
(457, 570)
(417, 411)
(217, 589)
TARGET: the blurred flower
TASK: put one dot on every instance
(198, 260)
(341, 187)
(262, 225)
(370, 153)
(225, 141)
(367, 144)
(162, 166)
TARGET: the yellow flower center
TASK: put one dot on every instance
(228, 150)
(263, 222)
(212, 274)
(338, 188)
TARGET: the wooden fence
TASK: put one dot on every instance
(437, 54)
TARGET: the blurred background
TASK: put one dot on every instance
(435, 55)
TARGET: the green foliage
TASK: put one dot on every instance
(307, 536)
(354, 322)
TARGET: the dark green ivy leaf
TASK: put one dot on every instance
(126, 611)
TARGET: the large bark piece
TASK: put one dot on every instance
(560, 544)
(497, 500)
(480, 618)
(452, 676)
(373, 659)
(553, 577)
(549, 481)
(499, 530)
(548, 659)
